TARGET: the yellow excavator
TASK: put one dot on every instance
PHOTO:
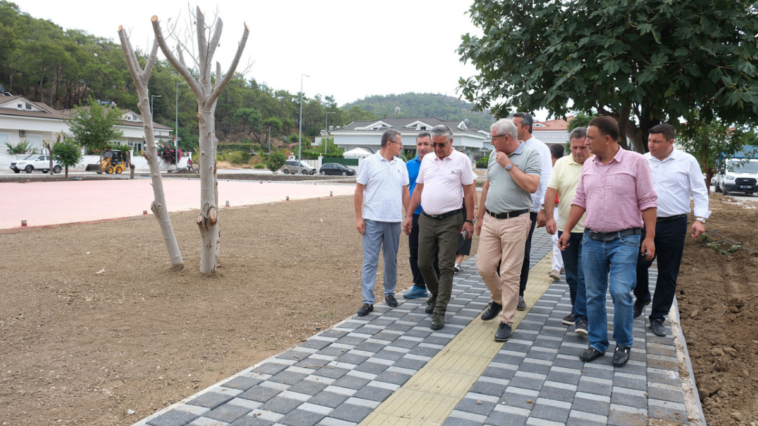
(113, 162)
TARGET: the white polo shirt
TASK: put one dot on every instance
(443, 181)
(675, 178)
(384, 181)
(546, 162)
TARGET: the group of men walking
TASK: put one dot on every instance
(609, 208)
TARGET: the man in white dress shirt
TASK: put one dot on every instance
(523, 122)
(676, 175)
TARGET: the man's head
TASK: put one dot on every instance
(442, 141)
(602, 135)
(556, 151)
(392, 142)
(580, 150)
(523, 122)
(423, 144)
(660, 140)
(504, 136)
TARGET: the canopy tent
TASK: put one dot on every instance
(357, 153)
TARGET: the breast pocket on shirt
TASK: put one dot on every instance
(622, 182)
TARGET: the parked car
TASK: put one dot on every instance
(738, 177)
(336, 169)
(290, 166)
(35, 162)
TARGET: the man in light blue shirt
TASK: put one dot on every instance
(423, 146)
(383, 182)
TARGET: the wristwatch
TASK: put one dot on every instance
(469, 221)
(509, 167)
(700, 219)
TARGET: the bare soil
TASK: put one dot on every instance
(93, 323)
(719, 313)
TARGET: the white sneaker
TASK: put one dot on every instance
(457, 268)
(555, 275)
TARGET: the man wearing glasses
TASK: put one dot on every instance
(503, 222)
(445, 182)
(383, 179)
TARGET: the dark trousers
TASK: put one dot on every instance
(527, 255)
(443, 235)
(669, 247)
(572, 261)
(418, 278)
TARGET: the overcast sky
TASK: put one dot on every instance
(350, 49)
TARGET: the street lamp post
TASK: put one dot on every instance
(326, 144)
(176, 132)
(300, 141)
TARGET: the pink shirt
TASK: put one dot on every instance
(614, 195)
(443, 181)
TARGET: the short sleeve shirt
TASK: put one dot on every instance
(384, 181)
(564, 179)
(504, 195)
(443, 181)
(413, 166)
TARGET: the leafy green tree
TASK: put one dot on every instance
(274, 123)
(95, 125)
(329, 147)
(22, 147)
(275, 161)
(581, 120)
(249, 116)
(68, 153)
(641, 62)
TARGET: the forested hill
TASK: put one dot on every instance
(423, 105)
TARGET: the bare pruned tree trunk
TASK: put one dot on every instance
(159, 208)
(206, 95)
(50, 146)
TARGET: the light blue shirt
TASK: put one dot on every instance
(413, 166)
(384, 181)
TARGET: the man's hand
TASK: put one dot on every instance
(541, 218)
(697, 228)
(563, 242)
(360, 225)
(648, 245)
(469, 228)
(503, 159)
(408, 225)
(551, 227)
(479, 227)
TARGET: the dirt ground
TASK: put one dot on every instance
(719, 314)
(93, 324)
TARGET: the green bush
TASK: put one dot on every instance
(20, 148)
(482, 162)
(222, 147)
(237, 157)
(275, 161)
(259, 166)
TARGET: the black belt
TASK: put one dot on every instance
(507, 215)
(668, 218)
(610, 236)
(443, 215)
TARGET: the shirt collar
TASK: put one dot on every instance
(379, 155)
(520, 148)
(673, 156)
(619, 157)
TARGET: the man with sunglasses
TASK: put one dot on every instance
(445, 182)
(383, 179)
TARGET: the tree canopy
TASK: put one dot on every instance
(641, 61)
(95, 126)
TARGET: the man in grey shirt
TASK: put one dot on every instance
(503, 222)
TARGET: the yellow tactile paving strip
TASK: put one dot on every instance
(432, 394)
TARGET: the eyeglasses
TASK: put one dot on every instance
(439, 145)
(399, 143)
(499, 136)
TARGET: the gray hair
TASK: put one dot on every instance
(578, 133)
(440, 130)
(423, 135)
(388, 135)
(505, 126)
(526, 119)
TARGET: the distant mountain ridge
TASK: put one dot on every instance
(423, 105)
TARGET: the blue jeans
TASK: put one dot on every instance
(619, 258)
(379, 234)
(572, 262)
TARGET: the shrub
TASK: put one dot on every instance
(168, 154)
(237, 157)
(275, 161)
(223, 147)
(20, 148)
(482, 162)
(259, 166)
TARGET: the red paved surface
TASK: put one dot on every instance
(50, 203)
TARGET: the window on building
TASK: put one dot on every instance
(28, 106)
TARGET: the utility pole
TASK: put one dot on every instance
(300, 142)
(176, 133)
(326, 144)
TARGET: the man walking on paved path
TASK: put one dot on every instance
(423, 146)
(676, 175)
(445, 182)
(563, 182)
(616, 190)
(556, 152)
(513, 175)
(523, 122)
(384, 179)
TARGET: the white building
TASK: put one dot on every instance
(552, 132)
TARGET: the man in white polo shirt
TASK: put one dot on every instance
(445, 182)
(676, 175)
(384, 178)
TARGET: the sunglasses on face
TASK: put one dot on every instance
(439, 145)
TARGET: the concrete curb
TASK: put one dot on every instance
(695, 413)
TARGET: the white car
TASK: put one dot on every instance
(738, 177)
(35, 162)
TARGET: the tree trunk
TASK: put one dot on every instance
(66, 172)
(51, 162)
(208, 219)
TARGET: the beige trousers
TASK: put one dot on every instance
(503, 240)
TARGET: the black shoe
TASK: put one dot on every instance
(503, 332)
(438, 321)
(569, 319)
(581, 326)
(590, 354)
(430, 305)
(657, 327)
(391, 301)
(521, 304)
(365, 310)
(492, 311)
(621, 356)
(639, 307)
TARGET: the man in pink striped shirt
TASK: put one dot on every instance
(617, 192)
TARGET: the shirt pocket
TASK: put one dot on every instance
(622, 183)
